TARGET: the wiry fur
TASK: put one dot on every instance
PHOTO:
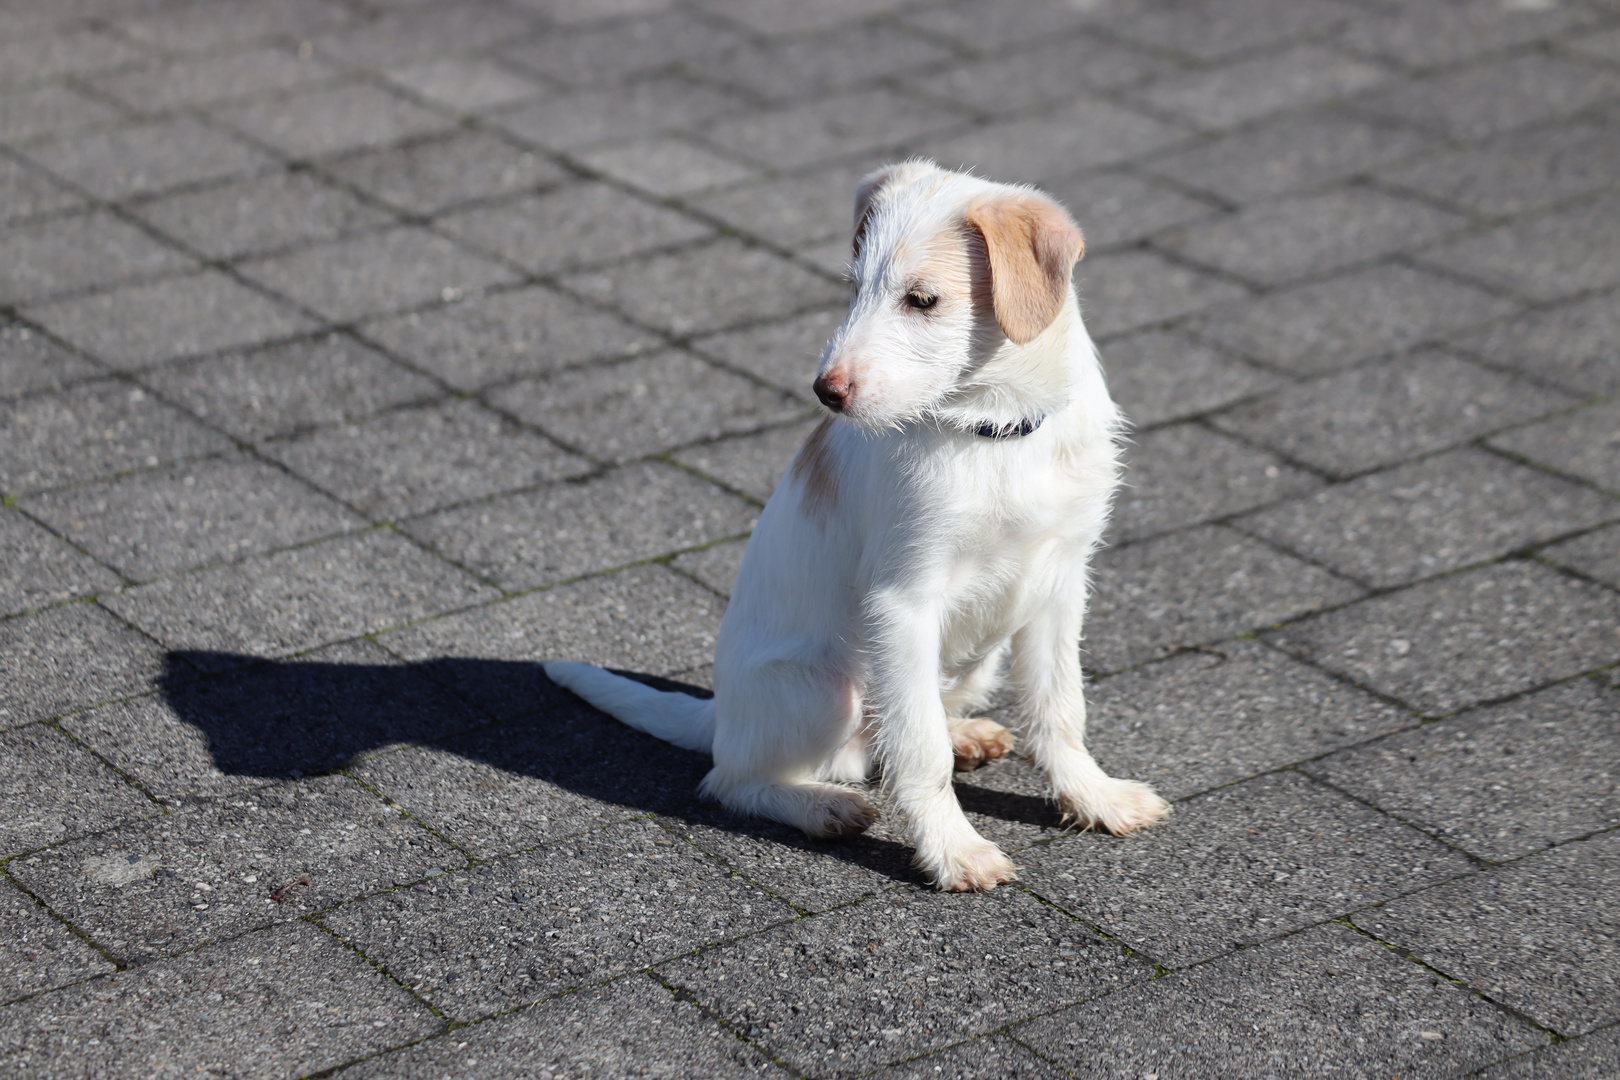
(905, 561)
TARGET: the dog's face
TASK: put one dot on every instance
(950, 273)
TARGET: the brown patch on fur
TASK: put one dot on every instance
(813, 468)
(1032, 247)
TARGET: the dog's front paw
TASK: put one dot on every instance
(975, 742)
(1115, 806)
(978, 869)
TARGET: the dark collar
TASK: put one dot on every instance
(1015, 429)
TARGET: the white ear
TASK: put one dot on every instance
(1032, 244)
(873, 184)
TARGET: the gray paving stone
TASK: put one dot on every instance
(808, 67)
(1516, 172)
(54, 790)
(994, 1058)
(75, 52)
(136, 160)
(220, 737)
(79, 252)
(1591, 1057)
(1251, 88)
(751, 464)
(1544, 258)
(68, 658)
(1537, 935)
(784, 352)
(211, 80)
(1186, 474)
(157, 523)
(1495, 95)
(1238, 866)
(44, 954)
(1288, 154)
(1087, 134)
(50, 110)
(614, 53)
(430, 176)
(1053, 72)
(576, 226)
(858, 124)
(645, 619)
(1571, 346)
(1585, 443)
(377, 273)
(140, 325)
(1116, 209)
(1145, 601)
(1334, 324)
(463, 83)
(26, 192)
(1157, 377)
(1466, 506)
(1387, 412)
(1431, 35)
(261, 214)
(781, 18)
(301, 599)
(899, 975)
(1480, 781)
(324, 120)
(40, 569)
(707, 288)
(91, 430)
(1129, 290)
(573, 913)
(632, 513)
(491, 339)
(791, 210)
(30, 361)
(1283, 240)
(412, 461)
(230, 23)
(714, 566)
(409, 32)
(1016, 22)
(1467, 638)
(643, 406)
(281, 389)
(1197, 720)
(1211, 31)
(634, 111)
(1597, 555)
(209, 873)
(1287, 1008)
(243, 1005)
(653, 1030)
(1604, 44)
(666, 165)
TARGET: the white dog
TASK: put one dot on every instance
(939, 525)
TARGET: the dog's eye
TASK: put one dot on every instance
(921, 300)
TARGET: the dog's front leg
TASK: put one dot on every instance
(1046, 669)
(915, 741)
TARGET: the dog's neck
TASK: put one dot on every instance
(1019, 386)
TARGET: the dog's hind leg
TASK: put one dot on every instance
(975, 741)
(1046, 667)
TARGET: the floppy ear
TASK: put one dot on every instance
(1033, 245)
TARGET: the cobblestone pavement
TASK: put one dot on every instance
(357, 355)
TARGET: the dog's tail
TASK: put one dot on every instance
(682, 719)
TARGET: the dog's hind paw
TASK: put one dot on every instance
(975, 742)
(978, 869)
(841, 812)
(1115, 806)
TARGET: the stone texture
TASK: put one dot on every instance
(1115, 209)
(1248, 89)
(1209, 32)
(1516, 172)
(1495, 95)
(68, 658)
(1144, 602)
(1571, 346)
(715, 566)
(137, 160)
(1466, 506)
(212, 80)
(1555, 964)
(230, 23)
(1428, 36)
(1589, 1058)
(244, 1005)
(79, 252)
(1157, 377)
(1597, 555)
(330, 119)
(45, 110)
(430, 176)
(1585, 443)
(45, 954)
(783, 352)
(1467, 638)
(646, 897)
(464, 84)
(751, 464)
(1087, 134)
(259, 214)
(633, 513)
(1131, 290)
(27, 192)
(30, 361)
(1388, 412)
(1287, 1008)
(412, 461)
(54, 790)
(1055, 71)
(1551, 257)
(40, 569)
(833, 128)
(1479, 780)
(980, 1059)
(639, 109)
(666, 166)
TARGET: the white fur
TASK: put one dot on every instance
(879, 621)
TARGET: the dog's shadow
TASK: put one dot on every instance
(298, 718)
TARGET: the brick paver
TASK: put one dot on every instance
(355, 357)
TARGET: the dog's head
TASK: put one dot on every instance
(962, 307)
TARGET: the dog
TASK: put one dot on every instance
(932, 531)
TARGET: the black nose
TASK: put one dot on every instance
(834, 391)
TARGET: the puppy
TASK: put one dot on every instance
(934, 529)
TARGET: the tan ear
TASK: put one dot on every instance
(1033, 245)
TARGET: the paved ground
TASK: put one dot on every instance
(355, 356)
